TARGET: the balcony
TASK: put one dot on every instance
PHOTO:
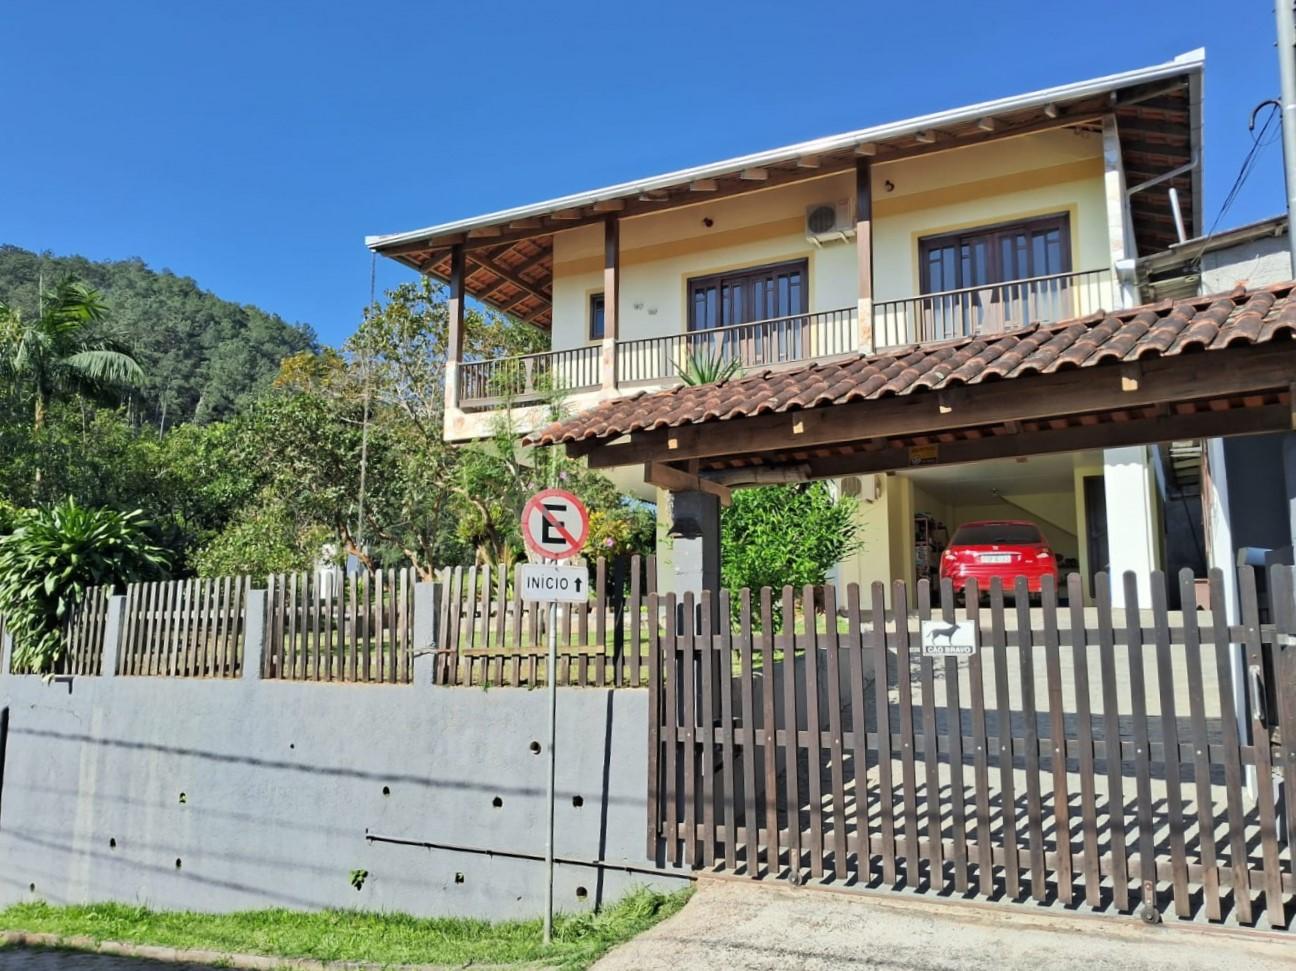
(656, 362)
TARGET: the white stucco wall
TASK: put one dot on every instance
(1016, 178)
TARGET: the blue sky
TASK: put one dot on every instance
(253, 145)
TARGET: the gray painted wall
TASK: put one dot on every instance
(219, 795)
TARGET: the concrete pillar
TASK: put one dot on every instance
(1132, 519)
(112, 636)
(427, 613)
(254, 629)
(695, 541)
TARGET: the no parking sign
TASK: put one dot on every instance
(555, 524)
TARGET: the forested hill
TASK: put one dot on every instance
(200, 354)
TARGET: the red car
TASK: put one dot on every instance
(998, 548)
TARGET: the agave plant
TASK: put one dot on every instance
(53, 555)
(709, 366)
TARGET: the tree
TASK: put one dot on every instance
(64, 350)
(48, 561)
(777, 535)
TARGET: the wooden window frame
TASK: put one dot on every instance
(693, 284)
(1058, 220)
(595, 298)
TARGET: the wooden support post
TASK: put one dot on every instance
(864, 250)
(611, 298)
(455, 330)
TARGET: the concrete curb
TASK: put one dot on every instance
(252, 962)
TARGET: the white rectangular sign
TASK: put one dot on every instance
(548, 582)
(948, 638)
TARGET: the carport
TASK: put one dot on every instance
(1207, 367)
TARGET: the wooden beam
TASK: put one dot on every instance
(566, 215)
(925, 137)
(526, 224)
(455, 324)
(677, 480)
(808, 162)
(703, 185)
(485, 232)
(864, 251)
(609, 205)
(986, 124)
(754, 175)
(1163, 428)
(1077, 391)
(866, 149)
(611, 278)
(1050, 110)
(511, 277)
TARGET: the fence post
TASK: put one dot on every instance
(427, 604)
(112, 636)
(254, 630)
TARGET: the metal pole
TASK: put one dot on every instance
(1286, 22)
(552, 678)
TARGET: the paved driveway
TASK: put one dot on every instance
(732, 925)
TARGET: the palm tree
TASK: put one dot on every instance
(63, 350)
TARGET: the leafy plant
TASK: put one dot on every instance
(785, 535)
(709, 366)
(63, 349)
(51, 558)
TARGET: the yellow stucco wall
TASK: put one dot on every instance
(1048, 172)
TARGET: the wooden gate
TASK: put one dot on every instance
(1108, 758)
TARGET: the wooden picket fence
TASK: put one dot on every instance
(83, 633)
(1092, 756)
(184, 628)
(327, 627)
(490, 636)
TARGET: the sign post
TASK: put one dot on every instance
(555, 525)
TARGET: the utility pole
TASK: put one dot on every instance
(1286, 23)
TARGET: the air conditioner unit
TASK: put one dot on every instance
(829, 222)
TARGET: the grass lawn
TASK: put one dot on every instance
(341, 935)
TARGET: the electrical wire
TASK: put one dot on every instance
(1259, 142)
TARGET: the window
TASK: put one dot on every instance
(972, 277)
(596, 317)
(762, 293)
(996, 254)
(997, 534)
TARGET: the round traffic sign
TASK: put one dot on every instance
(555, 524)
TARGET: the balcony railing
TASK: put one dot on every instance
(528, 379)
(993, 308)
(762, 343)
(533, 378)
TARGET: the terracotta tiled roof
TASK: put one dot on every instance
(1153, 330)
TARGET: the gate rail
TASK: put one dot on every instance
(1112, 736)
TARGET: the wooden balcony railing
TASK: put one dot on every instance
(528, 379)
(993, 308)
(762, 343)
(532, 378)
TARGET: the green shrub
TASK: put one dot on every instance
(52, 556)
(774, 536)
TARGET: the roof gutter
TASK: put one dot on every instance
(1189, 63)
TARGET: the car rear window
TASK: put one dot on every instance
(998, 534)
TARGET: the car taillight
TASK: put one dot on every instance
(1044, 555)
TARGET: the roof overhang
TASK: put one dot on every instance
(510, 251)
(1211, 366)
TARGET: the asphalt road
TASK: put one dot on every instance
(733, 925)
(41, 959)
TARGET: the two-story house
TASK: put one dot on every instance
(974, 220)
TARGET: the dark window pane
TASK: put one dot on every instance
(596, 317)
(997, 534)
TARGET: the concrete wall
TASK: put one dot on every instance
(219, 795)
